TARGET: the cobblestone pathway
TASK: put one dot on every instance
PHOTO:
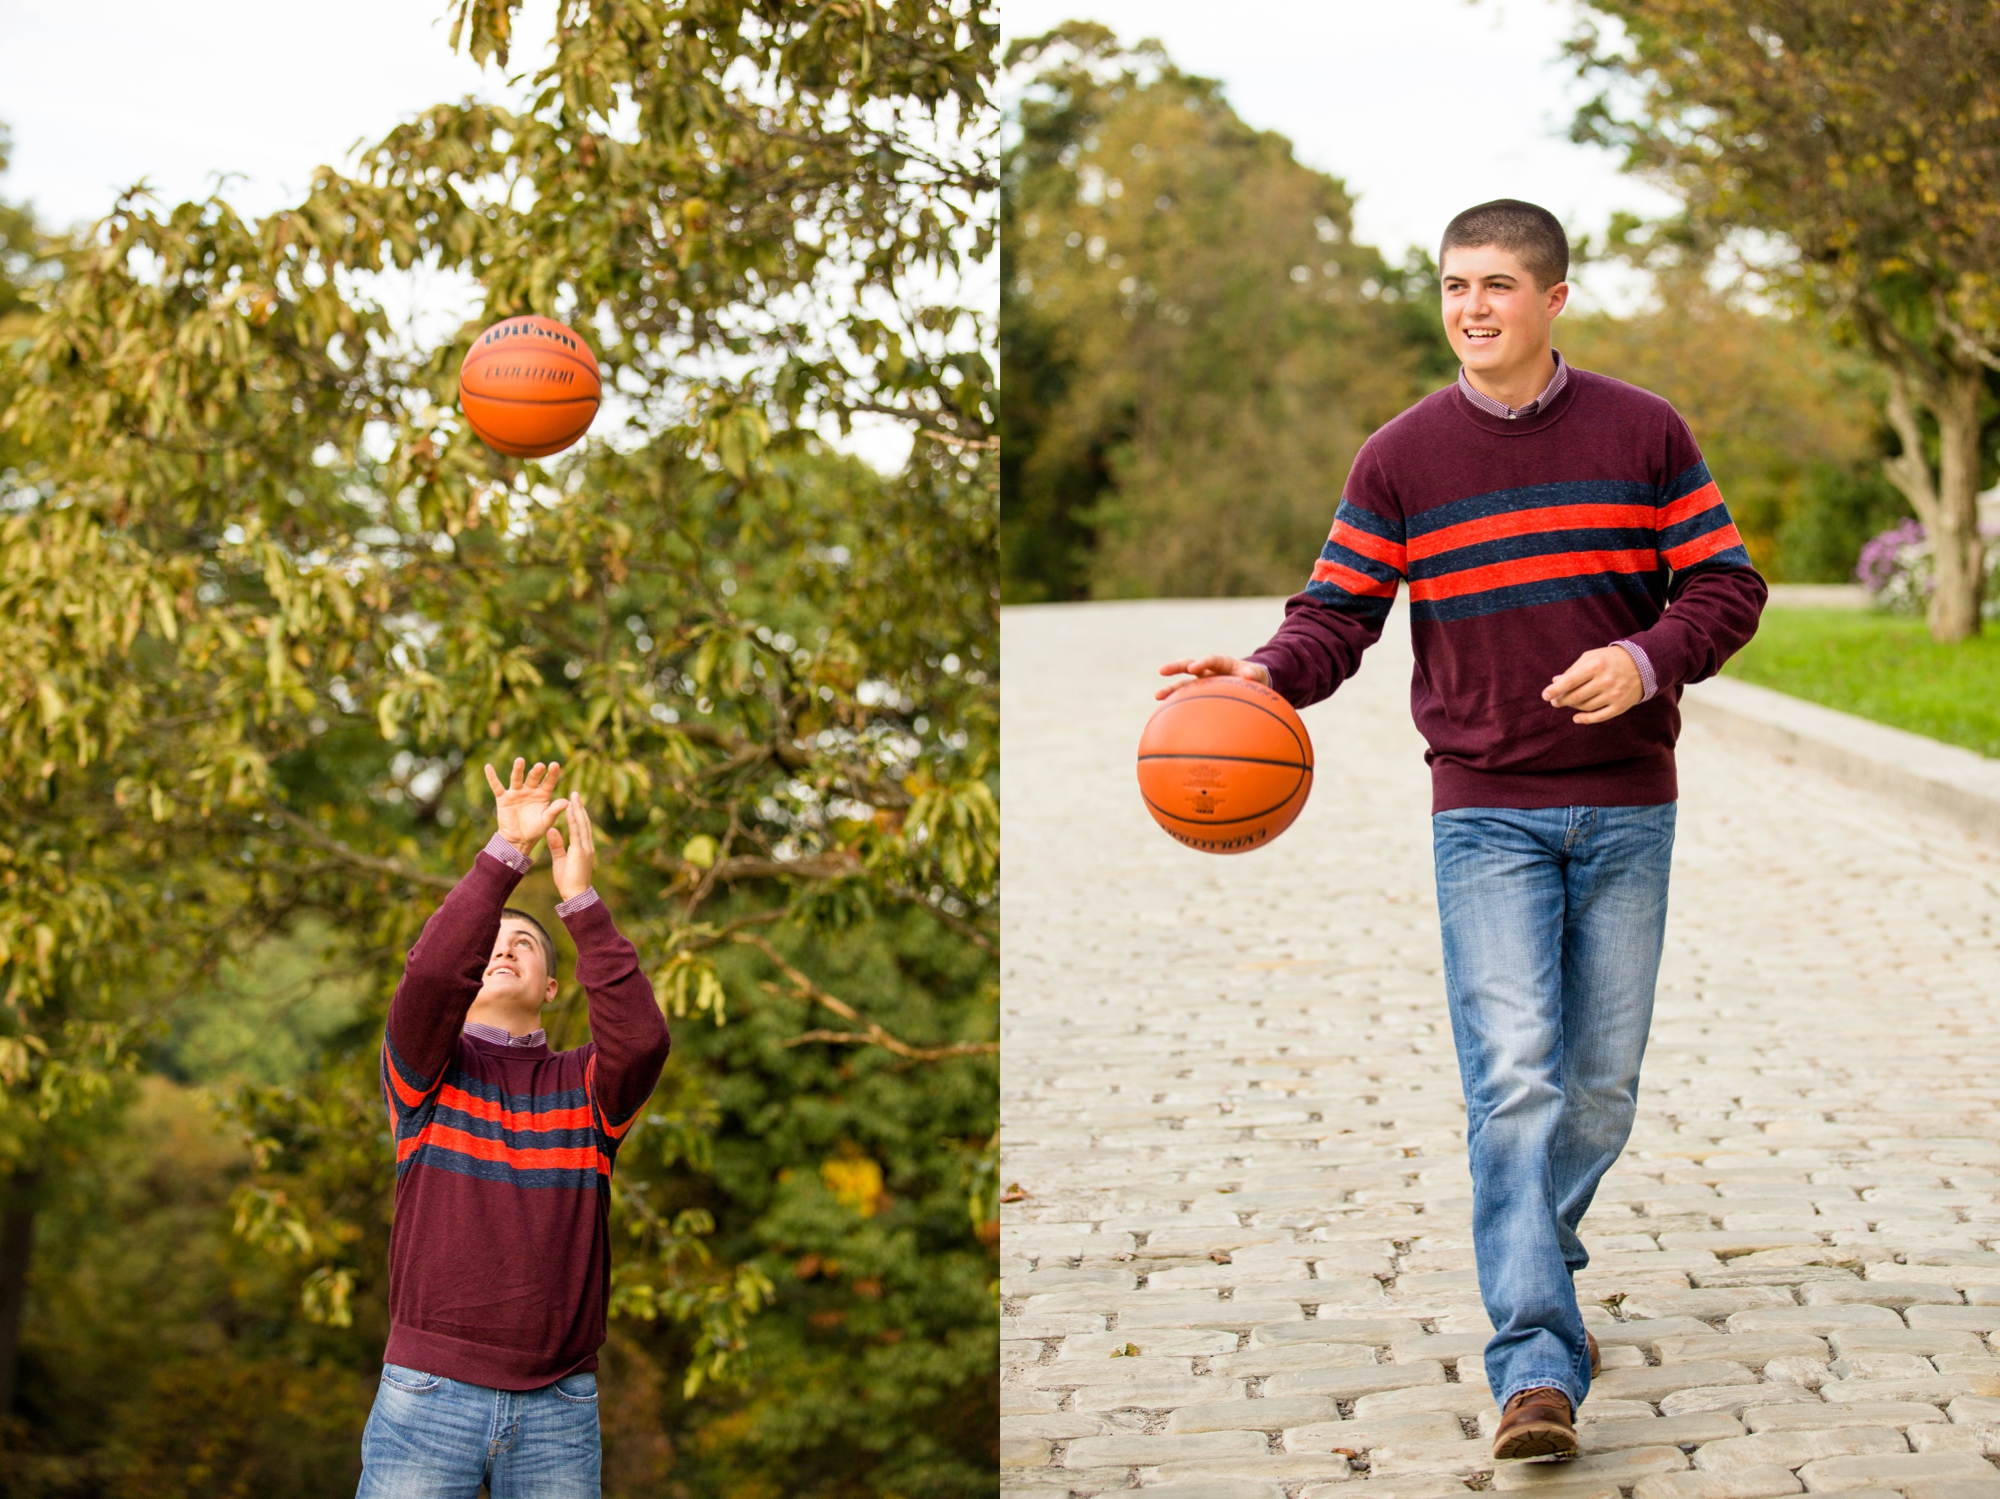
(1240, 1263)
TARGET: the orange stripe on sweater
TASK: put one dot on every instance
(1373, 547)
(1689, 553)
(1527, 522)
(1690, 505)
(485, 1108)
(1359, 584)
(411, 1096)
(568, 1158)
(1530, 570)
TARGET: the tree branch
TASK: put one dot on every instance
(966, 929)
(804, 988)
(326, 843)
(1909, 470)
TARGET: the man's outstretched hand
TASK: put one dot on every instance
(526, 814)
(1210, 666)
(575, 862)
(1602, 684)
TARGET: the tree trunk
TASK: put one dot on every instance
(17, 1243)
(1947, 502)
(1958, 548)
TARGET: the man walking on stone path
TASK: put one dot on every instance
(1571, 566)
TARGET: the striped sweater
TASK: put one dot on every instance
(1526, 542)
(500, 1252)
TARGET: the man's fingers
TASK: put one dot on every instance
(493, 780)
(520, 769)
(1175, 668)
(553, 774)
(555, 843)
(1589, 696)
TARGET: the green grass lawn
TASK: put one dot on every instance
(1883, 668)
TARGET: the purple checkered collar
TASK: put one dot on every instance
(1501, 409)
(480, 1031)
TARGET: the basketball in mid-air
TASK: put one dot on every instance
(529, 387)
(1225, 765)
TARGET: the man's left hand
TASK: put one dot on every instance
(1601, 684)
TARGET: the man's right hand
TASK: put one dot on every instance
(526, 814)
(1211, 666)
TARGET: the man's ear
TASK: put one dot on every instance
(1558, 298)
(549, 993)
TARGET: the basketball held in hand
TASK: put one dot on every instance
(529, 387)
(1225, 765)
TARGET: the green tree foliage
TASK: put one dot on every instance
(1196, 346)
(1865, 139)
(1788, 419)
(269, 606)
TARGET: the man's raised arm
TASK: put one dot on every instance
(442, 975)
(626, 1025)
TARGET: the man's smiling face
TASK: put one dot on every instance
(518, 968)
(1497, 318)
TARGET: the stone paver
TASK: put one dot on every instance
(1238, 1260)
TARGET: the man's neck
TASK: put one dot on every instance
(1516, 387)
(515, 1020)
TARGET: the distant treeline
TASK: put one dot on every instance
(1195, 348)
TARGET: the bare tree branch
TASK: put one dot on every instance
(326, 843)
(804, 988)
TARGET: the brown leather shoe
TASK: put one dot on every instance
(1536, 1423)
(1596, 1358)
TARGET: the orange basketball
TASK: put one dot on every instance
(1225, 765)
(529, 387)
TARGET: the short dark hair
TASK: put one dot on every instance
(1523, 229)
(548, 942)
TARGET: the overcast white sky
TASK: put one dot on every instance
(1423, 107)
(103, 93)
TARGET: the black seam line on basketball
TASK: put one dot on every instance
(524, 401)
(1303, 748)
(564, 355)
(1220, 822)
(508, 348)
(1231, 759)
(477, 374)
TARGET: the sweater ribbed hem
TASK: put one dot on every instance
(477, 1363)
(1647, 781)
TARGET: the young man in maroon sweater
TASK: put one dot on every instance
(500, 1255)
(1571, 566)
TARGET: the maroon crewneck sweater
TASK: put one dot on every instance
(500, 1253)
(1525, 543)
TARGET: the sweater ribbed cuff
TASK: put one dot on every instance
(1648, 678)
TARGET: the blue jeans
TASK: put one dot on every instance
(1553, 922)
(435, 1438)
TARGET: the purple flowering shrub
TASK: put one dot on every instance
(1896, 569)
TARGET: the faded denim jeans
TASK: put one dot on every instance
(435, 1438)
(1553, 922)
